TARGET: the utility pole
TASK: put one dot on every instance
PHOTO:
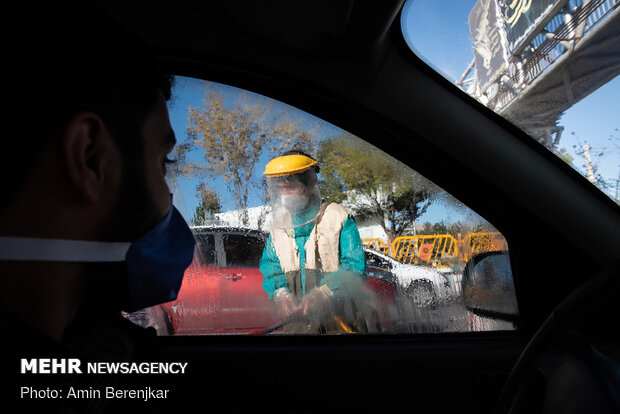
(589, 170)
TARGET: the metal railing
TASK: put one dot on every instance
(378, 245)
(439, 250)
(427, 249)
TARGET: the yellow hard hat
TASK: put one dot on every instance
(288, 164)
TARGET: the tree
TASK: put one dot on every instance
(373, 185)
(232, 136)
(564, 155)
(209, 205)
(437, 228)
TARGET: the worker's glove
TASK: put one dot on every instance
(316, 302)
(285, 302)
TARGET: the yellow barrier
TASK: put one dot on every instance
(481, 242)
(439, 250)
(425, 249)
(377, 244)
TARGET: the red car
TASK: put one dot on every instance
(222, 290)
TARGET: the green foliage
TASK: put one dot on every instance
(564, 155)
(437, 228)
(456, 229)
(209, 205)
(373, 184)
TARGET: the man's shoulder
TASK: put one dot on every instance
(336, 210)
(92, 332)
(21, 338)
(91, 338)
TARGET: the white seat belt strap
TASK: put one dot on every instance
(55, 250)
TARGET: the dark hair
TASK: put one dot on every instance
(63, 60)
(317, 169)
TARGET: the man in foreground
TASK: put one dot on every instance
(87, 225)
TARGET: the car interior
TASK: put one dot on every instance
(346, 62)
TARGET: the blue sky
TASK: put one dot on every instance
(440, 35)
(594, 120)
(438, 32)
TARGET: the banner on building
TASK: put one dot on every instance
(522, 17)
(500, 27)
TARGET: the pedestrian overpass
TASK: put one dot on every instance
(533, 73)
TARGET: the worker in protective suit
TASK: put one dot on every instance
(313, 264)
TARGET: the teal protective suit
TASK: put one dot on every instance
(352, 260)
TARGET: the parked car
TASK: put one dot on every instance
(424, 286)
(222, 290)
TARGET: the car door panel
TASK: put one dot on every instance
(362, 374)
(245, 305)
(196, 309)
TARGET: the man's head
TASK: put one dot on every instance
(292, 180)
(85, 127)
(85, 134)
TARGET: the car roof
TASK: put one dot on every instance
(226, 230)
(301, 38)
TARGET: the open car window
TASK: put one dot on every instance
(415, 240)
(548, 66)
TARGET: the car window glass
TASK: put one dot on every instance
(548, 66)
(242, 250)
(376, 261)
(366, 202)
(205, 249)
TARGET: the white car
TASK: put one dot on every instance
(426, 287)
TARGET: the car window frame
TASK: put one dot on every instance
(205, 72)
(219, 235)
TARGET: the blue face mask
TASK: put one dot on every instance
(155, 262)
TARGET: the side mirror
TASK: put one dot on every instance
(488, 288)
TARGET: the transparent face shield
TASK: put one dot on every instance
(295, 199)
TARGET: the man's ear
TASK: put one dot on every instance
(90, 155)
